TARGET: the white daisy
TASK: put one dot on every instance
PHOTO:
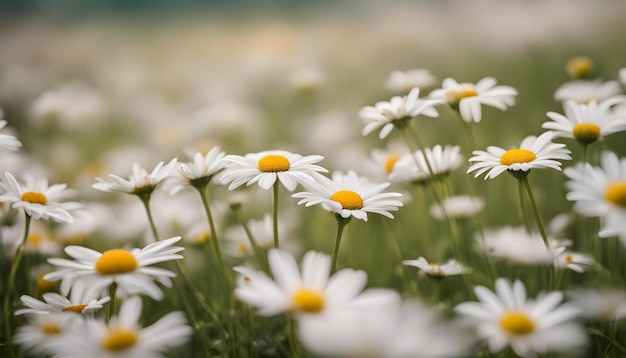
(200, 171)
(460, 207)
(43, 331)
(518, 246)
(586, 122)
(574, 261)
(267, 166)
(140, 182)
(306, 291)
(397, 112)
(382, 161)
(7, 141)
(467, 98)
(238, 244)
(604, 304)
(53, 302)
(123, 336)
(349, 195)
(601, 192)
(534, 152)
(508, 318)
(130, 270)
(451, 268)
(584, 91)
(404, 81)
(39, 200)
(423, 165)
(579, 67)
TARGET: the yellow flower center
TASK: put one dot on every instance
(517, 323)
(308, 301)
(44, 285)
(242, 247)
(453, 97)
(517, 156)
(586, 133)
(348, 199)
(273, 164)
(390, 163)
(569, 258)
(616, 193)
(579, 67)
(75, 308)
(436, 271)
(116, 261)
(204, 236)
(50, 328)
(34, 198)
(34, 240)
(119, 339)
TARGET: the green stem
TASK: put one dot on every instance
(293, 338)
(19, 252)
(275, 212)
(145, 199)
(520, 192)
(214, 242)
(341, 223)
(533, 203)
(236, 208)
(112, 311)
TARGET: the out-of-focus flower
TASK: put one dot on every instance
(39, 200)
(382, 161)
(306, 291)
(397, 112)
(601, 192)
(404, 81)
(586, 122)
(8, 142)
(579, 67)
(130, 270)
(587, 91)
(507, 317)
(622, 76)
(574, 261)
(517, 246)
(238, 244)
(43, 331)
(534, 152)
(459, 207)
(53, 302)
(421, 166)
(450, 268)
(468, 98)
(349, 195)
(123, 336)
(268, 166)
(306, 79)
(140, 181)
(604, 304)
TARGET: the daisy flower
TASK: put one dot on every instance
(583, 91)
(459, 207)
(39, 200)
(54, 302)
(140, 181)
(7, 141)
(603, 304)
(586, 122)
(420, 166)
(123, 336)
(130, 270)
(200, 171)
(310, 290)
(450, 268)
(238, 244)
(42, 332)
(382, 161)
(507, 317)
(467, 98)
(349, 195)
(397, 112)
(517, 245)
(404, 81)
(579, 67)
(534, 152)
(268, 166)
(601, 192)
(574, 261)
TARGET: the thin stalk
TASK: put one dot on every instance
(520, 192)
(145, 199)
(236, 208)
(341, 223)
(19, 252)
(112, 311)
(533, 203)
(275, 212)
(293, 339)
(214, 242)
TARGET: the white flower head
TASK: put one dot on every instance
(518, 246)
(7, 141)
(130, 270)
(54, 302)
(404, 81)
(140, 182)
(39, 200)
(123, 336)
(586, 122)
(200, 171)
(603, 304)
(468, 98)
(42, 332)
(268, 166)
(584, 91)
(574, 261)
(451, 268)
(507, 317)
(396, 112)
(309, 290)
(349, 195)
(459, 207)
(601, 192)
(432, 162)
(534, 152)
(238, 243)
